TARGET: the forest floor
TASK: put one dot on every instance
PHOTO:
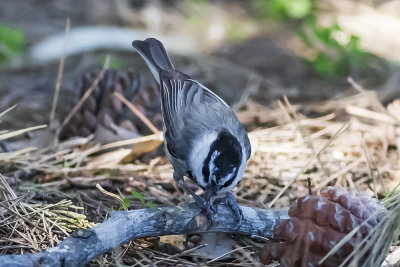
(352, 143)
(334, 133)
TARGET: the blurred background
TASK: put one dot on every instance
(316, 84)
(251, 50)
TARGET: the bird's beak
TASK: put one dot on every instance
(213, 179)
(210, 191)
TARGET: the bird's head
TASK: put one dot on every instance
(221, 166)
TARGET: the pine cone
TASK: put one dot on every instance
(104, 115)
(317, 224)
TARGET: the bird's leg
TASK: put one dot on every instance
(231, 201)
(209, 209)
(181, 182)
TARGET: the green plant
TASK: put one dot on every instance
(235, 31)
(126, 204)
(282, 10)
(333, 57)
(115, 62)
(12, 43)
(138, 196)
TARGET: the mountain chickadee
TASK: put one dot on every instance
(203, 138)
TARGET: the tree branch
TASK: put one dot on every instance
(123, 226)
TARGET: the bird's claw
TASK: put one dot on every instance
(199, 202)
(237, 212)
(209, 211)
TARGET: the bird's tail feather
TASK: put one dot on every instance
(153, 53)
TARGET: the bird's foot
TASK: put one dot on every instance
(200, 203)
(205, 216)
(230, 200)
(208, 212)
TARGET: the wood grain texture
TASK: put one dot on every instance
(123, 226)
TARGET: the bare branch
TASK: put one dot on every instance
(123, 226)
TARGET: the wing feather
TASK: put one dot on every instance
(179, 94)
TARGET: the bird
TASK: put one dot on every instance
(203, 138)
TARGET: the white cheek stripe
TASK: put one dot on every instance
(227, 177)
(199, 153)
(211, 165)
(239, 174)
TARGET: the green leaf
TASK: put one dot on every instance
(126, 203)
(325, 65)
(138, 196)
(297, 9)
(12, 42)
(236, 31)
(150, 204)
(115, 62)
(283, 10)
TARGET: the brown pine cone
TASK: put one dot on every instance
(104, 115)
(317, 224)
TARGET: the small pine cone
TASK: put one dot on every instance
(103, 111)
(317, 224)
(149, 103)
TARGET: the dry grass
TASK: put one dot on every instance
(353, 143)
(29, 226)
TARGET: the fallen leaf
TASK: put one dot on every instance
(175, 240)
(108, 159)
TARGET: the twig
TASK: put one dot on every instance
(84, 97)
(132, 141)
(19, 132)
(368, 160)
(137, 113)
(309, 186)
(303, 132)
(375, 103)
(7, 110)
(123, 226)
(180, 254)
(392, 259)
(369, 114)
(59, 77)
(112, 195)
(340, 131)
(252, 87)
(339, 173)
(225, 254)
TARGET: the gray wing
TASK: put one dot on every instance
(247, 144)
(179, 98)
(189, 109)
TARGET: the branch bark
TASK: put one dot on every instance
(123, 226)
